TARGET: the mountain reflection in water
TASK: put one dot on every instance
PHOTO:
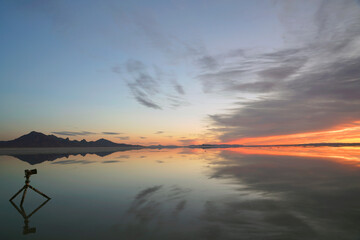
(243, 193)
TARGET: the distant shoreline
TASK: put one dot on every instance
(86, 150)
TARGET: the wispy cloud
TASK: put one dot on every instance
(83, 133)
(111, 161)
(312, 86)
(208, 63)
(169, 45)
(124, 138)
(111, 133)
(159, 132)
(64, 162)
(150, 85)
(70, 133)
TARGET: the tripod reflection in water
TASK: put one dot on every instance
(21, 210)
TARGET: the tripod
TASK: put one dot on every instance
(25, 187)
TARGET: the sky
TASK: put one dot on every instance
(181, 72)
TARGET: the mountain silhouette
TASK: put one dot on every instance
(37, 139)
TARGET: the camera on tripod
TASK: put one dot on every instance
(27, 185)
(28, 172)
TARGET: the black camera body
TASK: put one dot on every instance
(28, 172)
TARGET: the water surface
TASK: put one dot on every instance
(244, 193)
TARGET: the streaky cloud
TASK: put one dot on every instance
(147, 102)
(111, 161)
(65, 162)
(111, 133)
(149, 85)
(70, 133)
(124, 138)
(309, 87)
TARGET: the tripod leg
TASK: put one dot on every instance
(22, 212)
(38, 208)
(38, 192)
(17, 193)
(23, 196)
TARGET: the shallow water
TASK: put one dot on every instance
(268, 193)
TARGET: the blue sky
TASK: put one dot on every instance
(139, 67)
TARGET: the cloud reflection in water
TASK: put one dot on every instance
(303, 198)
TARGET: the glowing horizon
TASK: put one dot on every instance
(345, 133)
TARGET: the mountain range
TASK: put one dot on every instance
(37, 139)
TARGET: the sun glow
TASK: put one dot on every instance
(346, 133)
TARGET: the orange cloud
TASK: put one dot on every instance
(346, 133)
